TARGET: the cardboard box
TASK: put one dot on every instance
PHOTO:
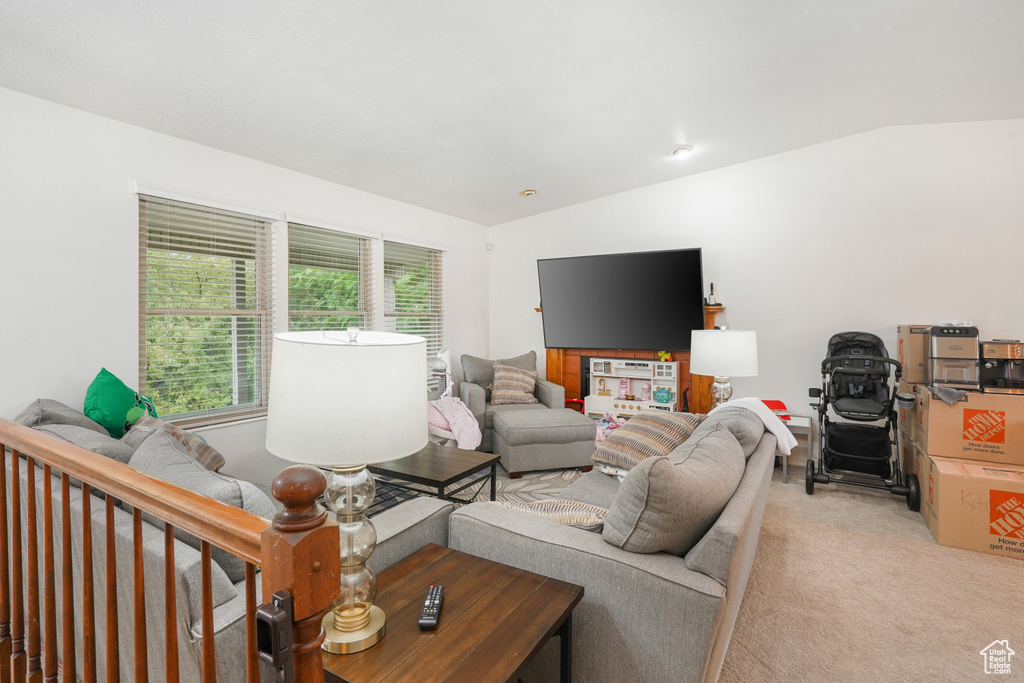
(913, 351)
(910, 458)
(975, 505)
(985, 427)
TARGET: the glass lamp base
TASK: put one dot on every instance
(354, 623)
(721, 391)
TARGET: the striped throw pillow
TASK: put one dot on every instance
(567, 512)
(512, 385)
(648, 434)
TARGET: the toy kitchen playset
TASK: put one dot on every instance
(625, 386)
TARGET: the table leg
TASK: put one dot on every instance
(565, 646)
(785, 468)
(494, 478)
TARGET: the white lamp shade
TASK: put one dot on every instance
(333, 402)
(723, 353)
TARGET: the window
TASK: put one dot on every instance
(414, 293)
(207, 298)
(329, 279)
(205, 310)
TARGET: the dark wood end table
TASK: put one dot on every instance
(494, 619)
(439, 467)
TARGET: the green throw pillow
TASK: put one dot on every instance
(114, 405)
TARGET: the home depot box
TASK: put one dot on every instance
(913, 350)
(975, 505)
(987, 427)
(910, 457)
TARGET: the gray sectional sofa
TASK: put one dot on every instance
(663, 581)
(647, 615)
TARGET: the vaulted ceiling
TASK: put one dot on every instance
(458, 105)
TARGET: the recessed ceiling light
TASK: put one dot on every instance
(682, 150)
(528, 193)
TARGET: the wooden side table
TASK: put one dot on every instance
(494, 620)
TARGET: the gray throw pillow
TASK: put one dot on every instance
(165, 457)
(481, 371)
(90, 440)
(208, 456)
(744, 424)
(668, 506)
(46, 411)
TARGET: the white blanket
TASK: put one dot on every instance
(787, 442)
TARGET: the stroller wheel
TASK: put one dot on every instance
(809, 478)
(914, 494)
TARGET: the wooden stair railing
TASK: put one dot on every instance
(298, 554)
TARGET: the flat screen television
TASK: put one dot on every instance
(644, 300)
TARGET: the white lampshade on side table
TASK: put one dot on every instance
(345, 404)
(723, 354)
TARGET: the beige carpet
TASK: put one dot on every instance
(849, 585)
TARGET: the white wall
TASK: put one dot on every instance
(909, 224)
(69, 244)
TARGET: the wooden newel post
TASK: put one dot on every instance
(302, 555)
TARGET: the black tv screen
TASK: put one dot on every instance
(645, 300)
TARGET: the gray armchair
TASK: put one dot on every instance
(475, 392)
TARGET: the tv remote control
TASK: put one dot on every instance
(431, 608)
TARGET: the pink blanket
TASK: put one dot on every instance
(452, 414)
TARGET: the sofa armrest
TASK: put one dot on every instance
(405, 528)
(550, 394)
(475, 398)
(642, 617)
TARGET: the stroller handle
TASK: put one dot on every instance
(854, 371)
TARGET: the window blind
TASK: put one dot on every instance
(414, 293)
(330, 281)
(205, 310)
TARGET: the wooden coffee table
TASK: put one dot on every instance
(439, 467)
(494, 619)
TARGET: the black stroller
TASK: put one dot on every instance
(855, 385)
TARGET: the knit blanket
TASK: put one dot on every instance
(452, 414)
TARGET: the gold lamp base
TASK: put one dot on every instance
(340, 642)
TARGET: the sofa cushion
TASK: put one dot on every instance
(207, 456)
(744, 424)
(89, 439)
(566, 512)
(594, 488)
(649, 434)
(491, 411)
(114, 405)
(165, 457)
(46, 411)
(512, 385)
(481, 371)
(668, 506)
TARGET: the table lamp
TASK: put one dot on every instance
(723, 354)
(345, 401)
